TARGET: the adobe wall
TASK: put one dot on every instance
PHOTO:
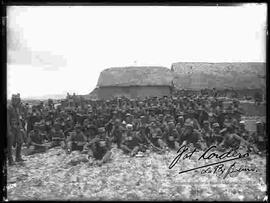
(133, 91)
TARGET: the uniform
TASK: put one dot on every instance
(14, 129)
(36, 139)
(100, 149)
(58, 137)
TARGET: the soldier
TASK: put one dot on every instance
(242, 132)
(42, 130)
(76, 140)
(260, 136)
(211, 136)
(100, 148)
(130, 143)
(172, 136)
(217, 138)
(157, 139)
(230, 138)
(32, 118)
(117, 132)
(58, 137)
(48, 129)
(69, 126)
(36, 140)
(89, 130)
(14, 128)
(191, 135)
(207, 132)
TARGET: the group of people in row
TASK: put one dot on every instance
(132, 125)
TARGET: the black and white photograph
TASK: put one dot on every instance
(136, 102)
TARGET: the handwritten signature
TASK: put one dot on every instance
(218, 167)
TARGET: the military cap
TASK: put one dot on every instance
(242, 122)
(101, 130)
(188, 123)
(205, 122)
(215, 125)
(57, 120)
(57, 123)
(129, 126)
(174, 130)
(159, 131)
(171, 123)
(117, 120)
(36, 124)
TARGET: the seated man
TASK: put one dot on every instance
(76, 140)
(260, 137)
(216, 136)
(130, 143)
(172, 136)
(234, 141)
(191, 135)
(99, 148)
(207, 133)
(58, 137)
(35, 139)
(117, 132)
(156, 139)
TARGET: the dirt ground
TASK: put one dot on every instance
(55, 176)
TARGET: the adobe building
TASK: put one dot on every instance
(135, 82)
(245, 78)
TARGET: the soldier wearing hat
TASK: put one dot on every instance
(76, 140)
(99, 148)
(69, 126)
(260, 138)
(210, 135)
(31, 119)
(207, 132)
(42, 130)
(117, 132)
(58, 137)
(242, 132)
(171, 135)
(191, 135)
(35, 139)
(15, 128)
(89, 129)
(217, 138)
(130, 143)
(233, 141)
(157, 137)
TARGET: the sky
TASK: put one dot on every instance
(59, 49)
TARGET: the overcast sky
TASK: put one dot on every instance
(54, 50)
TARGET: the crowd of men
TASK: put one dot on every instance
(132, 125)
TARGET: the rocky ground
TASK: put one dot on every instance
(56, 176)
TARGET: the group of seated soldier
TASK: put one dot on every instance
(135, 125)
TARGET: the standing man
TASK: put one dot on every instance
(15, 129)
